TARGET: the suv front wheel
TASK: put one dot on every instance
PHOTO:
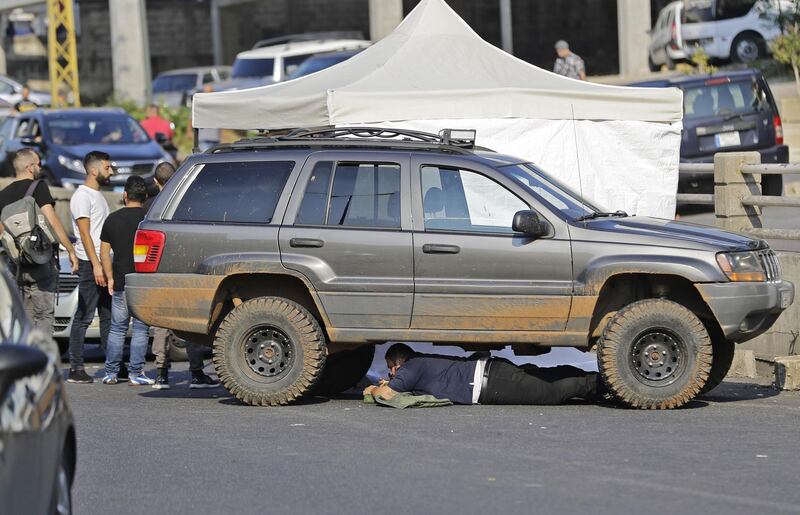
(655, 354)
(269, 351)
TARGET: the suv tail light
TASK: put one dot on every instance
(776, 122)
(674, 37)
(147, 249)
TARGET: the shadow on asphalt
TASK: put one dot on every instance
(733, 392)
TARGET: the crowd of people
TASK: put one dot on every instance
(101, 256)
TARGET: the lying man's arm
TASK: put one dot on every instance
(383, 391)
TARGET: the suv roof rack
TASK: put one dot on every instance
(449, 140)
(309, 36)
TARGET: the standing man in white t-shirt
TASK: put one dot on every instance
(89, 212)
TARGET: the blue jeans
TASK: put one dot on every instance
(91, 298)
(120, 318)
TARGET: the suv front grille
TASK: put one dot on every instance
(67, 283)
(61, 323)
(771, 264)
(142, 169)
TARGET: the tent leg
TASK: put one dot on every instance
(196, 142)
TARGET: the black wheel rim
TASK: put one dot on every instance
(658, 357)
(268, 351)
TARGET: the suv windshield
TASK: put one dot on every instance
(549, 191)
(182, 82)
(100, 128)
(253, 68)
(726, 98)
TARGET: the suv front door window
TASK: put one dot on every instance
(347, 227)
(471, 271)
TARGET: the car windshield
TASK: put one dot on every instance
(167, 83)
(317, 63)
(548, 190)
(724, 98)
(100, 128)
(698, 11)
(253, 68)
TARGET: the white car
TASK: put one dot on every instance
(266, 65)
(11, 93)
(738, 30)
(666, 41)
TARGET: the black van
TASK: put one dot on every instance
(726, 112)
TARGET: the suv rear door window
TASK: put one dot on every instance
(727, 9)
(727, 98)
(244, 192)
(461, 200)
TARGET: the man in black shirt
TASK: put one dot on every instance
(37, 283)
(118, 234)
(25, 104)
(483, 380)
(161, 340)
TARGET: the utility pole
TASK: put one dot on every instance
(384, 17)
(62, 54)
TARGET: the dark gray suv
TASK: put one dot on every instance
(294, 255)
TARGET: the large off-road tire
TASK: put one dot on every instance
(655, 354)
(723, 359)
(269, 351)
(344, 369)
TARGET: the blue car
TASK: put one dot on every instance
(64, 137)
(727, 112)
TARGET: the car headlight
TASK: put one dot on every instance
(76, 165)
(742, 266)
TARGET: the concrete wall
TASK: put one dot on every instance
(783, 339)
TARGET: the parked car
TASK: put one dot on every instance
(173, 88)
(321, 61)
(266, 65)
(11, 93)
(729, 111)
(666, 41)
(37, 432)
(287, 250)
(64, 137)
(738, 30)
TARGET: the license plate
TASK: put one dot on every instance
(785, 299)
(727, 139)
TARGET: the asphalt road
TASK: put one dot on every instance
(188, 451)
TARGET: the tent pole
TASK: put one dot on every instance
(195, 142)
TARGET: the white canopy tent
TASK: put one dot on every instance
(618, 145)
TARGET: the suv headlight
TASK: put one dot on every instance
(742, 266)
(76, 165)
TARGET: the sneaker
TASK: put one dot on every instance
(110, 379)
(162, 380)
(200, 380)
(79, 376)
(139, 379)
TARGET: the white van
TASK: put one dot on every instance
(666, 41)
(738, 30)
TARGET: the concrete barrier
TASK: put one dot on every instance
(787, 373)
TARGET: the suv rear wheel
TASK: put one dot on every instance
(269, 351)
(747, 48)
(655, 354)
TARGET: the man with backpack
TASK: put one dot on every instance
(89, 212)
(31, 251)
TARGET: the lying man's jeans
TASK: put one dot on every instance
(120, 318)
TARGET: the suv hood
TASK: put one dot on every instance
(149, 151)
(637, 230)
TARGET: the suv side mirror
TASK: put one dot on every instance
(17, 362)
(528, 223)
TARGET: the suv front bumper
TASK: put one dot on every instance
(745, 310)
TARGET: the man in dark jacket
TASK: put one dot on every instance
(483, 380)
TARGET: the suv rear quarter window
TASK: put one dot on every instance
(239, 192)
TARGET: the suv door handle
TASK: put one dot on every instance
(430, 248)
(306, 242)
